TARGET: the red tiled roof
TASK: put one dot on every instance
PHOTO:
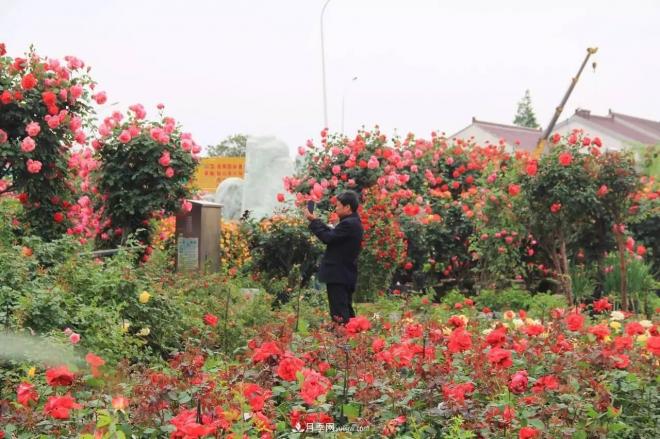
(515, 136)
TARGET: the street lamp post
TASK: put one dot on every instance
(343, 102)
(325, 96)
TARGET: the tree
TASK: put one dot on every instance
(525, 116)
(232, 146)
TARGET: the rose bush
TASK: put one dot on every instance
(45, 109)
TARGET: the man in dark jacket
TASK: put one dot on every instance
(339, 264)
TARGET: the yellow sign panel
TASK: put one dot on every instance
(211, 171)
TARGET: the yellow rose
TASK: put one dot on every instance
(31, 371)
(144, 332)
(615, 325)
(642, 338)
(144, 297)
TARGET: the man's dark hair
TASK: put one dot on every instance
(349, 198)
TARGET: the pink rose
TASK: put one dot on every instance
(75, 123)
(80, 137)
(28, 145)
(100, 98)
(186, 206)
(3, 136)
(187, 145)
(33, 166)
(76, 91)
(3, 185)
(74, 338)
(196, 149)
(52, 121)
(32, 129)
(125, 136)
(164, 159)
(169, 172)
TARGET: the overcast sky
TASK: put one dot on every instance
(224, 67)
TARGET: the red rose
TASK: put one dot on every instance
(58, 406)
(49, 98)
(280, 198)
(565, 158)
(6, 97)
(210, 320)
(653, 345)
(267, 350)
(3, 49)
(408, 266)
(602, 305)
(518, 383)
(26, 393)
(555, 207)
(28, 82)
(288, 367)
(500, 358)
(597, 142)
(528, 433)
(59, 376)
(58, 217)
(256, 396)
(514, 189)
(357, 324)
(378, 345)
(574, 321)
(621, 361)
(600, 331)
(555, 138)
(531, 168)
(602, 191)
(634, 328)
(314, 385)
(459, 340)
(547, 382)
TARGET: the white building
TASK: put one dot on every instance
(617, 131)
(515, 137)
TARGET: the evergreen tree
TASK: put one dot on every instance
(525, 116)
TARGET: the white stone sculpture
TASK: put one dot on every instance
(267, 162)
(230, 195)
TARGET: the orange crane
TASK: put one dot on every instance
(540, 146)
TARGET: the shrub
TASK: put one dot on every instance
(44, 107)
(281, 242)
(511, 298)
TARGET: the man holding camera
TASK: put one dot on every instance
(339, 264)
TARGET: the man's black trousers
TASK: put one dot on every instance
(340, 297)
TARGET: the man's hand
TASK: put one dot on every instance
(310, 216)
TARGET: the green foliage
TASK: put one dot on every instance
(511, 298)
(640, 280)
(541, 304)
(232, 146)
(133, 175)
(281, 242)
(43, 192)
(452, 298)
(583, 282)
(525, 116)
